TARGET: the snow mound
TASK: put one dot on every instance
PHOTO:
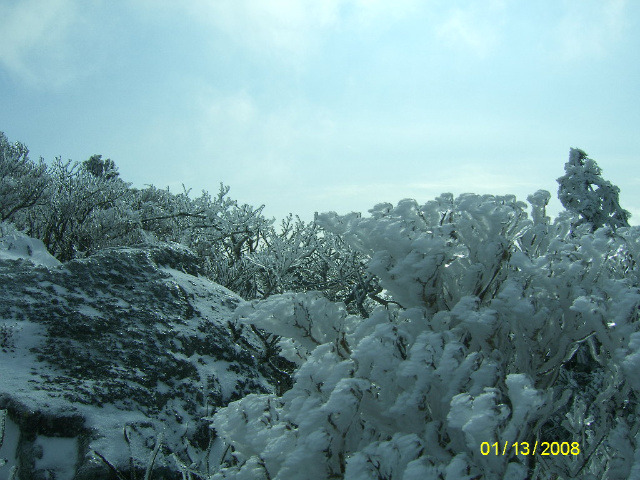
(16, 245)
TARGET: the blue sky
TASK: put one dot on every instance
(309, 105)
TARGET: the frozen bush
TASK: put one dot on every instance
(495, 336)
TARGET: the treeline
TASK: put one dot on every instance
(78, 208)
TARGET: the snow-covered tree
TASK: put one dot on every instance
(301, 256)
(218, 229)
(22, 181)
(98, 167)
(78, 208)
(244, 251)
(584, 192)
(80, 212)
(493, 335)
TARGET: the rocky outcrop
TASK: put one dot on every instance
(102, 357)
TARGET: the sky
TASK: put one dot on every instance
(319, 105)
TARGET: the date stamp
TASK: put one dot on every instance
(526, 448)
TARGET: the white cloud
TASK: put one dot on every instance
(253, 144)
(289, 29)
(589, 28)
(33, 40)
(237, 109)
(474, 29)
(280, 24)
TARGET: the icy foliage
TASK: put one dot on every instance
(76, 212)
(302, 321)
(504, 329)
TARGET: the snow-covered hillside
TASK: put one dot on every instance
(130, 342)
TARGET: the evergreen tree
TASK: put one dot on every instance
(98, 167)
(583, 191)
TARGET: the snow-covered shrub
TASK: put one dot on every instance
(242, 250)
(303, 321)
(218, 229)
(287, 258)
(503, 330)
(301, 256)
(6, 337)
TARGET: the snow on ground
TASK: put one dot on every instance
(21, 372)
(9, 446)
(16, 245)
(59, 456)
